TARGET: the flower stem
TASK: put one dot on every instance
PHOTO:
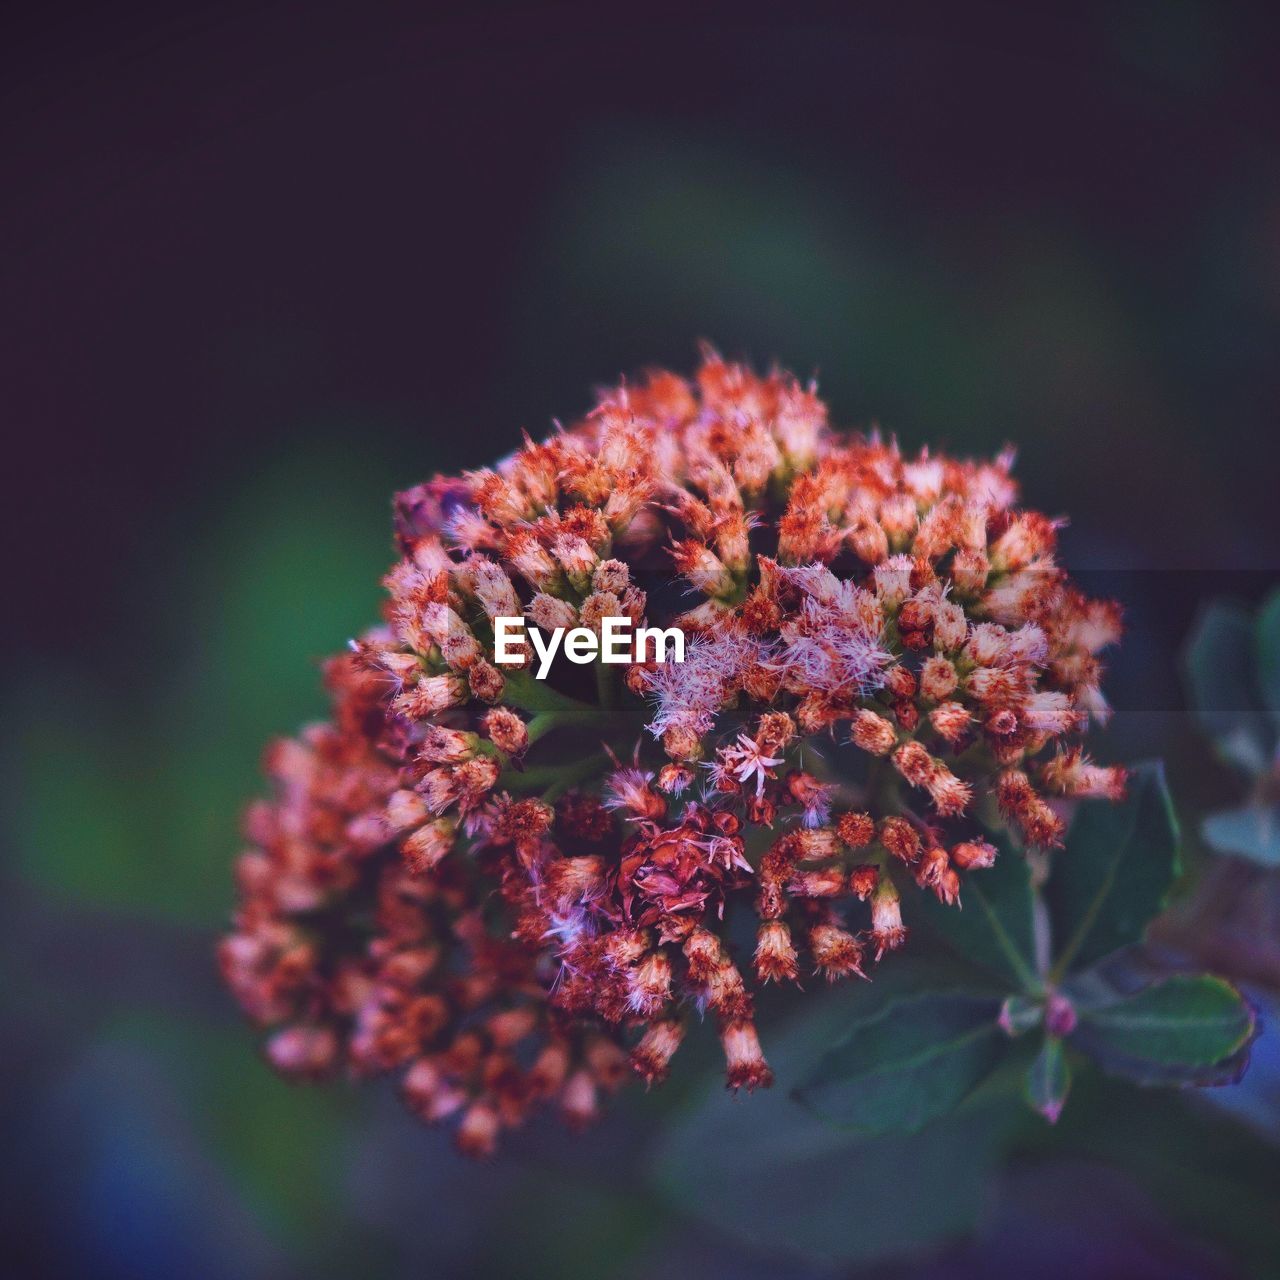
(523, 691)
(551, 780)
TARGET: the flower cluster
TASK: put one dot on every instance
(514, 891)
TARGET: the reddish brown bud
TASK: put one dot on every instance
(836, 952)
(973, 855)
(863, 880)
(486, 681)
(477, 1135)
(775, 955)
(745, 1066)
(303, 1052)
(506, 731)
(857, 830)
(900, 838)
(938, 679)
(424, 848)
(651, 1058)
(873, 733)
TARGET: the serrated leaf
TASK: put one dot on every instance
(1048, 1080)
(1111, 879)
(769, 1174)
(994, 926)
(917, 1059)
(1268, 640)
(1222, 673)
(1252, 831)
(1183, 1030)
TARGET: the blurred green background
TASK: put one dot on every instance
(262, 265)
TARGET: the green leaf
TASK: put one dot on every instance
(1113, 875)
(1176, 1031)
(917, 1059)
(1252, 831)
(768, 1174)
(1222, 674)
(1048, 1080)
(1269, 656)
(994, 925)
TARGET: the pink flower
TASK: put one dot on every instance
(455, 878)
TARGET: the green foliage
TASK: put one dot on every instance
(921, 1055)
(1233, 676)
(1112, 878)
(1268, 642)
(917, 1070)
(912, 1062)
(1048, 1079)
(770, 1174)
(1183, 1029)
(1221, 666)
(996, 930)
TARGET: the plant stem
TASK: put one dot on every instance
(523, 691)
(550, 779)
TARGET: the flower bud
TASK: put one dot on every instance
(649, 984)
(533, 562)
(827, 883)
(775, 957)
(430, 696)
(887, 932)
(950, 626)
(579, 1101)
(651, 1058)
(303, 1052)
(745, 1066)
(576, 558)
(674, 779)
(951, 721)
(428, 1093)
(938, 679)
(550, 613)
(477, 1135)
(836, 952)
(486, 681)
(405, 810)
(873, 733)
(857, 830)
(973, 855)
(549, 1069)
(506, 731)
(424, 848)
(900, 838)
(863, 880)
(870, 542)
(447, 746)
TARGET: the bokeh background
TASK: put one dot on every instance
(262, 264)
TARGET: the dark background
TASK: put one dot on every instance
(260, 265)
